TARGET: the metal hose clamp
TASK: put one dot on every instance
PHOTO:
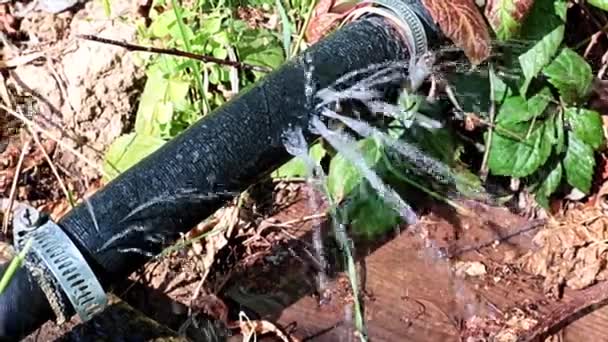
(63, 259)
(417, 34)
(409, 16)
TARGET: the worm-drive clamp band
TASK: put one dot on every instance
(58, 253)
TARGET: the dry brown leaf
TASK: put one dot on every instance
(461, 21)
(517, 10)
(260, 327)
(572, 252)
(326, 16)
(322, 25)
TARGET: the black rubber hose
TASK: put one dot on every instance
(193, 175)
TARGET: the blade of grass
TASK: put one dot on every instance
(107, 8)
(286, 25)
(195, 66)
(296, 47)
(14, 266)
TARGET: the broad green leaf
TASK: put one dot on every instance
(369, 215)
(501, 89)
(544, 27)
(177, 90)
(127, 151)
(516, 109)
(271, 57)
(535, 59)
(586, 125)
(571, 75)
(296, 167)
(549, 185)
(603, 4)
(544, 17)
(343, 176)
(161, 25)
(579, 164)
(157, 103)
(211, 25)
(512, 157)
(154, 92)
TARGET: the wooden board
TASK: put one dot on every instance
(412, 295)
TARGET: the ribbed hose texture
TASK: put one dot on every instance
(192, 176)
(222, 154)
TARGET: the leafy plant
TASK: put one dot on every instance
(557, 135)
(178, 91)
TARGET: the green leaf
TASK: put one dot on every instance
(343, 176)
(516, 109)
(296, 167)
(501, 16)
(107, 7)
(515, 158)
(271, 57)
(544, 27)
(501, 89)
(579, 164)
(286, 27)
(587, 126)
(550, 183)
(571, 75)
(211, 25)
(161, 25)
(369, 215)
(535, 59)
(602, 4)
(157, 103)
(128, 150)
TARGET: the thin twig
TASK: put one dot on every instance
(11, 197)
(31, 123)
(173, 52)
(64, 188)
(592, 297)
(296, 47)
(528, 227)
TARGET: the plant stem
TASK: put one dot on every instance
(174, 52)
(14, 266)
(296, 47)
(486, 152)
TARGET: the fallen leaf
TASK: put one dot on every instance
(326, 16)
(573, 251)
(321, 26)
(461, 21)
(260, 327)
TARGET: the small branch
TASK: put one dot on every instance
(528, 227)
(173, 52)
(13, 192)
(31, 123)
(64, 188)
(592, 297)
